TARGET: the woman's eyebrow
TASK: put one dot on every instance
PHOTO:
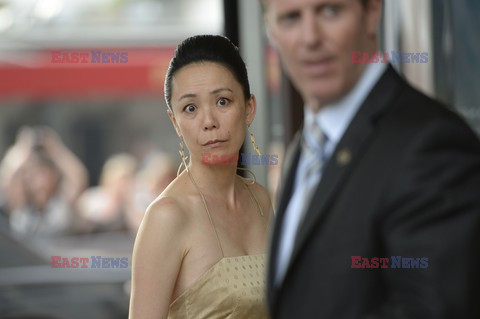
(216, 91)
(220, 90)
(188, 95)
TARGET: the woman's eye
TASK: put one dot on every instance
(223, 101)
(190, 108)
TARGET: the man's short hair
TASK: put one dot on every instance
(264, 3)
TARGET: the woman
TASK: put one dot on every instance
(199, 252)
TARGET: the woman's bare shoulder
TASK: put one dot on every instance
(166, 209)
(164, 219)
(171, 205)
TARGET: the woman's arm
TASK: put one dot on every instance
(157, 257)
(12, 169)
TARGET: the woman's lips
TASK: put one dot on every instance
(214, 143)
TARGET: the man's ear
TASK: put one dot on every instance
(268, 30)
(174, 122)
(250, 109)
(374, 14)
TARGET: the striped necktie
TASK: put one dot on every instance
(307, 181)
(313, 154)
(313, 149)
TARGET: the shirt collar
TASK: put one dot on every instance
(335, 117)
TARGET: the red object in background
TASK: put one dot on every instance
(33, 76)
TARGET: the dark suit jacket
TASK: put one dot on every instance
(403, 181)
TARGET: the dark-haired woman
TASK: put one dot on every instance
(200, 250)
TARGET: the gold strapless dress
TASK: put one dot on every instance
(232, 288)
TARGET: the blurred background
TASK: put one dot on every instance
(85, 147)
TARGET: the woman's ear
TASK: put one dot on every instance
(250, 109)
(174, 122)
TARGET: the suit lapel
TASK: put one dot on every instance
(335, 174)
(285, 192)
(346, 155)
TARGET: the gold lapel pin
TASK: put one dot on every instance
(344, 156)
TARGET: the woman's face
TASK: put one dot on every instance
(209, 109)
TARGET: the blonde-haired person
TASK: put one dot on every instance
(159, 170)
(106, 207)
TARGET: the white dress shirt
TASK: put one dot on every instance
(333, 119)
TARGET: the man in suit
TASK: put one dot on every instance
(379, 210)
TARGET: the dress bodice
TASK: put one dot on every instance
(232, 288)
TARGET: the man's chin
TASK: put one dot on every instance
(323, 97)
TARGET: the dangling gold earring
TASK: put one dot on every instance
(252, 138)
(184, 157)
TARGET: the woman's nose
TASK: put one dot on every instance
(210, 121)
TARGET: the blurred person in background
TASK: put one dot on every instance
(105, 207)
(42, 179)
(159, 170)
